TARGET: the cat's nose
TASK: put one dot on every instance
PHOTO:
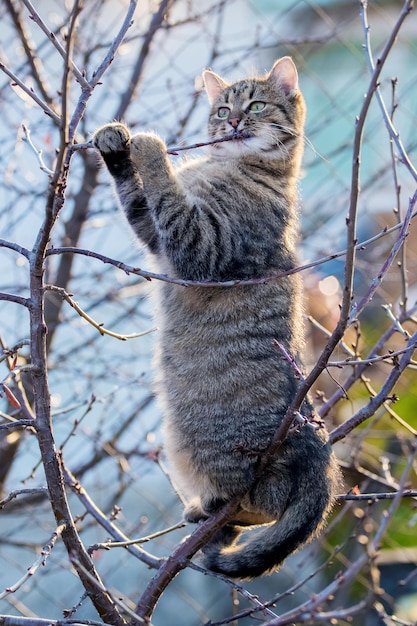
(234, 121)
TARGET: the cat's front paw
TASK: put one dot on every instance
(149, 152)
(113, 137)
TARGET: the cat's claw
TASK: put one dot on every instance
(113, 137)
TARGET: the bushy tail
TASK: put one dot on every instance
(266, 549)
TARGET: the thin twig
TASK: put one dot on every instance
(178, 559)
(109, 526)
(115, 44)
(378, 400)
(34, 15)
(14, 246)
(398, 210)
(129, 269)
(19, 492)
(32, 56)
(31, 93)
(40, 561)
(88, 88)
(98, 326)
(360, 368)
(42, 164)
(100, 587)
(358, 308)
(290, 359)
(156, 22)
(11, 297)
(12, 620)
(235, 137)
(375, 497)
(370, 361)
(282, 595)
(394, 134)
(15, 424)
(131, 542)
(388, 408)
(257, 606)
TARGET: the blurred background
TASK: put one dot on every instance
(105, 418)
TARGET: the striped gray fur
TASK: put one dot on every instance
(222, 383)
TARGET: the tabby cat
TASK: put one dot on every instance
(222, 383)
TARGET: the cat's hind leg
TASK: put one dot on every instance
(198, 510)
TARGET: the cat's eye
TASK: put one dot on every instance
(223, 112)
(257, 106)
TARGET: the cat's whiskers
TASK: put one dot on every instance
(307, 141)
(286, 129)
(275, 140)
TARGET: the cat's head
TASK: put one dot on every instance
(266, 115)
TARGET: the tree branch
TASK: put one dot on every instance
(40, 561)
(408, 6)
(99, 516)
(32, 56)
(101, 329)
(63, 51)
(378, 400)
(31, 93)
(178, 559)
(342, 324)
(358, 308)
(157, 19)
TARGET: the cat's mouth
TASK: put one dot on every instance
(240, 135)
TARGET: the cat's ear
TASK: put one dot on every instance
(285, 75)
(214, 84)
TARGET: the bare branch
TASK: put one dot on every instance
(31, 93)
(32, 57)
(129, 269)
(102, 589)
(109, 526)
(127, 23)
(358, 308)
(101, 329)
(349, 264)
(14, 246)
(394, 134)
(11, 620)
(34, 15)
(11, 297)
(27, 138)
(89, 87)
(131, 542)
(14, 494)
(157, 19)
(374, 403)
(178, 559)
(40, 561)
(375, 497)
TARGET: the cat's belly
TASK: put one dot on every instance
(214, 439)
(205, 469)
(222, 385)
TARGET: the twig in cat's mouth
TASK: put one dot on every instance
(234, 137)
(174, 151)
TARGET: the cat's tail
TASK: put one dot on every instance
(267, 548)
